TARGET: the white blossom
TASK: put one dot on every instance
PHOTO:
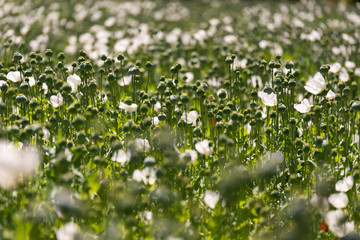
(67, 232)
(334, 220)
(142, 145)
(320, 202)
(14, 76)
(147, 175)
(344, 75)
(16, 163)
(211, 198)
(121, 156)
(56, 100)
(335, 68)
(190, 118)
(128, 108)
(74, 81)
(189, 154)
(330, 95)
(303, 107)
(32, 81)
(345, 185)
(269, 100)
(204, 148)
(316, 84)
(339, 200)
(125, 81)
(350, 65)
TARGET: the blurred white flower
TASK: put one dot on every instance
(147, 175)
(269, 100)
(190, 118)
(230, 39)
(121, 156)
(357, 71)
(345, 185)
(316, 84)
(335, 68)
(157, 107)
(126, 80)
(32, 81)
(211, 198)
(344, 75)
(350, 65)
(142, 145)
(320, 202)
(16, 164)
(146, 216)
(128, 108)
(203, 147)
(189, 76)
(14, 76)
(190, 155)
(56, 100)
(74, 81)
(339, 200)
(334, 220)
(46, 133)
(67, 232)
(303, 107)
(276, 157)
(330, 95)
(155, 121)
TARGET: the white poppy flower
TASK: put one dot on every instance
(345, 185)
(46, 133)
(189, 76)
(126, 80)
(320, 202)
(56, 100)
(269, 100)
(45, 88)
(204, 148)
(14, 76)
(142, 145)
(335, 68)
(276, 157)
(344, 75)
(191, 154)
(128, 108)
(330, 95)
(146, 216)
(147, 175)
(350, 65)
(121, 156)
(74, 81)
(157, 107)
(32, 81)
(190, 118)
(357, 71)
(16, 164)
(67, 232)
(339, 200)
(334, 220)
(303, 107)
(316, 84)
(156, 121)
(211, 198)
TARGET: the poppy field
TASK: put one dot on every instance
(179, 120)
